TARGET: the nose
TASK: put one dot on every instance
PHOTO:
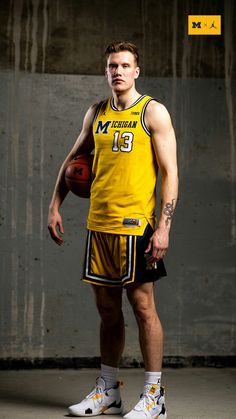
(118, 70)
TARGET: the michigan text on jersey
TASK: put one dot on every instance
(103, 127)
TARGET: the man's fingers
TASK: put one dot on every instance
(149, 247)
(61, 229)
(161, 254)
(155, 250)
(54, 234)
(156, 255)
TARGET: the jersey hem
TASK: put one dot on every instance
(129, 231)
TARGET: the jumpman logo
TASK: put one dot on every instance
(213, 25)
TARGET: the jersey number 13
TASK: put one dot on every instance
(126, 139)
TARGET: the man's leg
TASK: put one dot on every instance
(141, 298)
(105, 397)
(112, 330)
(152, 402)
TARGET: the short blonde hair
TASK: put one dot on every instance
(118, 46)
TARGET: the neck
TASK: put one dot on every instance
(124, 100)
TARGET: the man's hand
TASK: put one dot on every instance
(158, 245)
(55, 224)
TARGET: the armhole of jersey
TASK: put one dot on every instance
(97, 111)
(143, 116)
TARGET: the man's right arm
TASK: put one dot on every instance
(84, 144)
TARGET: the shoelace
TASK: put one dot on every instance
(145, 400)
(96, 390)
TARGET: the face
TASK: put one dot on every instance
(121, 71)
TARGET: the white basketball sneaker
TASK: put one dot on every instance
(99, 401)
(150, 405)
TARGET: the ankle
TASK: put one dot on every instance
(153, 382)
(109, 375)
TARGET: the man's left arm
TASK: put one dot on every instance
(163, 137)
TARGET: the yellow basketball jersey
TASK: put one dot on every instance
(123, 192)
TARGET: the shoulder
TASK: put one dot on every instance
(99, 106)
(91, 112)
(90, 115)
(157, 115)
(94, 108)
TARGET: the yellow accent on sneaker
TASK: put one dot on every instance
(97, 396)
(153, 389)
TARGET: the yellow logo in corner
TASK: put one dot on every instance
(204, 25)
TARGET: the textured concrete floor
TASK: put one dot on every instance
(191, 393)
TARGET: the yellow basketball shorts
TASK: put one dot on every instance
(119, 260)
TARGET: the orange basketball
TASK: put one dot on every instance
(78, 175)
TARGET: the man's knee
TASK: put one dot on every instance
(108, 313)
(143, 312)
(109, 305)
(143, 305)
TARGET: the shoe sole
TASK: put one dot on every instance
(161, 416)
(111, 411)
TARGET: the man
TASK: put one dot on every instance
(132, 136)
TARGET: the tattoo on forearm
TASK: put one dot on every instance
(169, 211)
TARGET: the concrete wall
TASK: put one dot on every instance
(45, 311)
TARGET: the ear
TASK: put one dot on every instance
(105, 71)
(137, 72)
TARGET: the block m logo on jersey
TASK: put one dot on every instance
(102, 127)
